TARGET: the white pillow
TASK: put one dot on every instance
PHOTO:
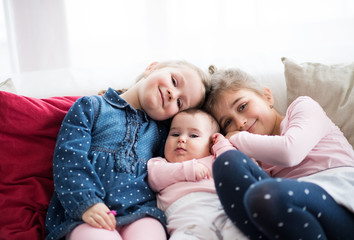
(332, 86)
(8, 86)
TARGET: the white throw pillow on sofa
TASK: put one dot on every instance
(7, 86)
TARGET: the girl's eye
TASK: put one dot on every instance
(242, 107)
(226, 124)
(174, 134)
(194, 136)
(179, 103)
(174, 82)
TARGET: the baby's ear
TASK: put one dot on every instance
(268, 95)
(149, 69)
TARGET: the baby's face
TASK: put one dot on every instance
(189, 137)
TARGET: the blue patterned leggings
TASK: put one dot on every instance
(277, 208)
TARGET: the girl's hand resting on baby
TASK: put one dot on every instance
(99, 216)
(201, 172)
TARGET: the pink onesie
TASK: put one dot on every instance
(192, 207)
(173, 180)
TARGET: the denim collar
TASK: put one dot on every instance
(113, 98)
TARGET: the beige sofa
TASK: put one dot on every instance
(31, 117)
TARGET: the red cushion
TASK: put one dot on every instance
(28, 131)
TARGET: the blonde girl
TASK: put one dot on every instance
(293, 177)
(103, 145)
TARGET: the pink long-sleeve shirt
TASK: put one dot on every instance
(309, 142)
(172, 181)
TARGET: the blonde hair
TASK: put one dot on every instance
(205, 77)
(231, 79)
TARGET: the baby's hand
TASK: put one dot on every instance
(99, 216)
(217, 137)
(201, 171)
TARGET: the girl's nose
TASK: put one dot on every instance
(241, 123)
(170, 95)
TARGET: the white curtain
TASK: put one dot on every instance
(52, 34)
(37, 33)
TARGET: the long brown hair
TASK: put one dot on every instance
(231, 79)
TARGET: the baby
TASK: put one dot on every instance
(183, 180)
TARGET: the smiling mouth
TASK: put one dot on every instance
(251, 127)
(162, 100)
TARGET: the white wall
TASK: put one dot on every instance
(106, 33)
(117, 34)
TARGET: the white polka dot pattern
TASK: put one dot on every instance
(101, 153)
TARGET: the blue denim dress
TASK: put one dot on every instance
(101, 153)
